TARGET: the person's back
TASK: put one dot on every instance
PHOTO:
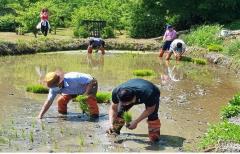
(96, 43)
(143, 89)
(173, 45)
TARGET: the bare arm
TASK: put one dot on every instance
(145, 114)
(112, 113)
(45, 108)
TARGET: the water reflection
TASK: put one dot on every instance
(41, 71)
(170, 72)
(95, 61)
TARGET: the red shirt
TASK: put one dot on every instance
(44, 16)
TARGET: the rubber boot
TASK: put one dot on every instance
(102, 50)
(154, 130)
(118, 123)
(161, 52)
(90, 49)
(92, 106)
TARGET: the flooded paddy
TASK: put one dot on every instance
(191, 98)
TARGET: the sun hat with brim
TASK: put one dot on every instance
(52, 79)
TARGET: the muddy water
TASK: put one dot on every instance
(191, 97)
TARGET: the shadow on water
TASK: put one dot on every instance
(165, 141)
(76, 117)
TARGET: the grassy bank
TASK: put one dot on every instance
(224, 131)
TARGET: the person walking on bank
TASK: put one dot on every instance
(177, 47)
(130, 93)
(169, 35)
(97, 43)
(68, 86)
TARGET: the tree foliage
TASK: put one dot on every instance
(141, 18)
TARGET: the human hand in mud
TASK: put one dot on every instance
(132, 125)
(111, 131)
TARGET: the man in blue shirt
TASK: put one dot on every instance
(68, 86)
(130, 93)
(97, 43)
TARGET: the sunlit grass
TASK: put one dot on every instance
(223, 131)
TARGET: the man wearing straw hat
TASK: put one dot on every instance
(130, 93)
(68, 86)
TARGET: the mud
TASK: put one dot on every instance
(191, 98)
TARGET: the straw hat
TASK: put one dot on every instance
(52, 79)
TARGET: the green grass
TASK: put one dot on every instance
(144, 72)
(235, 100)
(203, 35)
(223, 131)
(233, 48)
(127, 117)
(37, 89)
(230, 111)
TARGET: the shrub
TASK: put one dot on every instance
(81, 32)
(233, 48)
(37, 89)
(235, 100)
(108, 32)
(144, 72)
(230, 111)
(204, 35)
(235, 25)
(215, 47)
(7, 23)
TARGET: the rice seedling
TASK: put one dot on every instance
(37, 89)
(104, 97)
(31, 136)
(127, 118)
(23, 133)
(81, 140)
(187, 59)
(215, 47)
(199, 61)
(42, 126)
(82, 99)
(143, 72)
(3, 140)
(61, 130)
